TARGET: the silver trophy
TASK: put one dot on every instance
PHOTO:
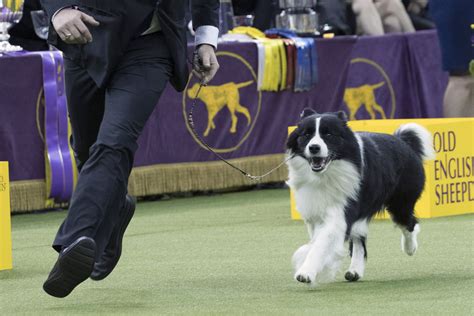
(226, 15)
(40, 23)
(298, 16)
(10, 14)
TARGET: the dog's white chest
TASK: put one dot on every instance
(317, 194)
(313, 202)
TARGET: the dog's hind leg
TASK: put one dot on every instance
(234, 120)
(311, 227)
(379, 109)
(210, 122)
(404, 217)
(358, 252)
(242, 109)
(409, 240)
(369, 110)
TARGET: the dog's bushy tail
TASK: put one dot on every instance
(418, 138)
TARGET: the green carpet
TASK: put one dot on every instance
(230, 254)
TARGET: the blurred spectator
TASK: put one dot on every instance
(453, 19)
(23, 33)
(377, 17)
(419, 14)
(264, 12)
(337, 15)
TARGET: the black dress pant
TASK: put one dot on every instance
(106, 123)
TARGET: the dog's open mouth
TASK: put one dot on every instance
(318, 164)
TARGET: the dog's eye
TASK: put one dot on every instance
(326, 132)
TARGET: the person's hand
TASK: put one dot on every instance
(70, 24)
(205, 63)
(416, 6)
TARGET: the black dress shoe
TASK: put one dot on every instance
(74, 265)
(109, 259)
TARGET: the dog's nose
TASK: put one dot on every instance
(314, 149)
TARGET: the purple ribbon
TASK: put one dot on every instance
(51, 117)
(68, 177)
(56, 125)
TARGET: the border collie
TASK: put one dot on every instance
(341, 179)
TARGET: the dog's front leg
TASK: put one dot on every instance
(311, 227)
(323, 249)
(302, 252)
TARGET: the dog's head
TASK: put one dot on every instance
(321, 139)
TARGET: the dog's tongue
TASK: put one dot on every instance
(318, 163)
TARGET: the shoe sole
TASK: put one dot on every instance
(75, 265)
(127, 220)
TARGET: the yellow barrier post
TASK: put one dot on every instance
(449, 187)
(5, 226)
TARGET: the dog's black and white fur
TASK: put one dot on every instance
(341, 179)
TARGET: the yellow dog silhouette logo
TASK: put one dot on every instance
(363, 95)
(217, 98)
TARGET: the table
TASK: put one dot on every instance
(401, 75)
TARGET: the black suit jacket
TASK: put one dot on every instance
(123, 20)
(23, 33)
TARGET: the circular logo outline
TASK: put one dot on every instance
(39, 105)
(249, 131)
(384, 74)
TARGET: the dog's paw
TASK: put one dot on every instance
(304, 276)
(351, 276)
(409, 246)
(409, 241)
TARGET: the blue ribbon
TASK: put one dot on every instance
(306, 66)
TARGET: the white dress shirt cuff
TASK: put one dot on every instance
(69, 7)
(206, 34)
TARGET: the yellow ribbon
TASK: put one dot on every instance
(14, 5)
(275, 64)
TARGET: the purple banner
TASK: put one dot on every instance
(394, 76)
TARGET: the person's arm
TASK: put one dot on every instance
(52, 6)
(206, 21)
(205, 16)
(67, 22)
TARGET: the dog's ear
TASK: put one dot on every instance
(307, 112)
(292, 142)
(342, 116)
